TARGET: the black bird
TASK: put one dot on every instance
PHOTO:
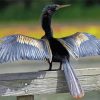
(20, 47)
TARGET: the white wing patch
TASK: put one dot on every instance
(80, 38)
(29, 41)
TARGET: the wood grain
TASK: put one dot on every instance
(46, 82)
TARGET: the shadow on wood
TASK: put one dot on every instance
(42, 82)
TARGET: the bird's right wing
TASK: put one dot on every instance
(20, 47)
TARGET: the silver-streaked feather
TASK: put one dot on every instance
(82, 44)
(73, 84)
(20, 47)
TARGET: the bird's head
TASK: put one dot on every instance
(50, 9)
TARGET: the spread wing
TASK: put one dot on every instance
(20, 47)
(81, 44)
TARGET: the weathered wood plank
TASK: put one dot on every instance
(42, 82)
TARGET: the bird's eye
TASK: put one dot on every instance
(49, 11)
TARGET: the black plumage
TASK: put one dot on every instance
(16, 47)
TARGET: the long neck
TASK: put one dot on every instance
(46, 25)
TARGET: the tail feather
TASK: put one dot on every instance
(73, 84)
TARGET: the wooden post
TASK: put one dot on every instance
(27, 97)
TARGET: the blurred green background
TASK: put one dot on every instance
(30, 10)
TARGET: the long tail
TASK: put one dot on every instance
(73, 84)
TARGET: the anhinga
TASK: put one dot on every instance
(17, 47)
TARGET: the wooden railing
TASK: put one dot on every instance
(26, 85)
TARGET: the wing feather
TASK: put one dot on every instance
(82, 44)
(20, 47)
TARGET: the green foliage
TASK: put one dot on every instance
(76, 12)
(79, 13)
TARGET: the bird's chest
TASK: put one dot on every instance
(58, 51)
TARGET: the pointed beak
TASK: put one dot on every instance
(62, 6)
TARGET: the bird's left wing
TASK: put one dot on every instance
(81, 44)
(20, 47)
